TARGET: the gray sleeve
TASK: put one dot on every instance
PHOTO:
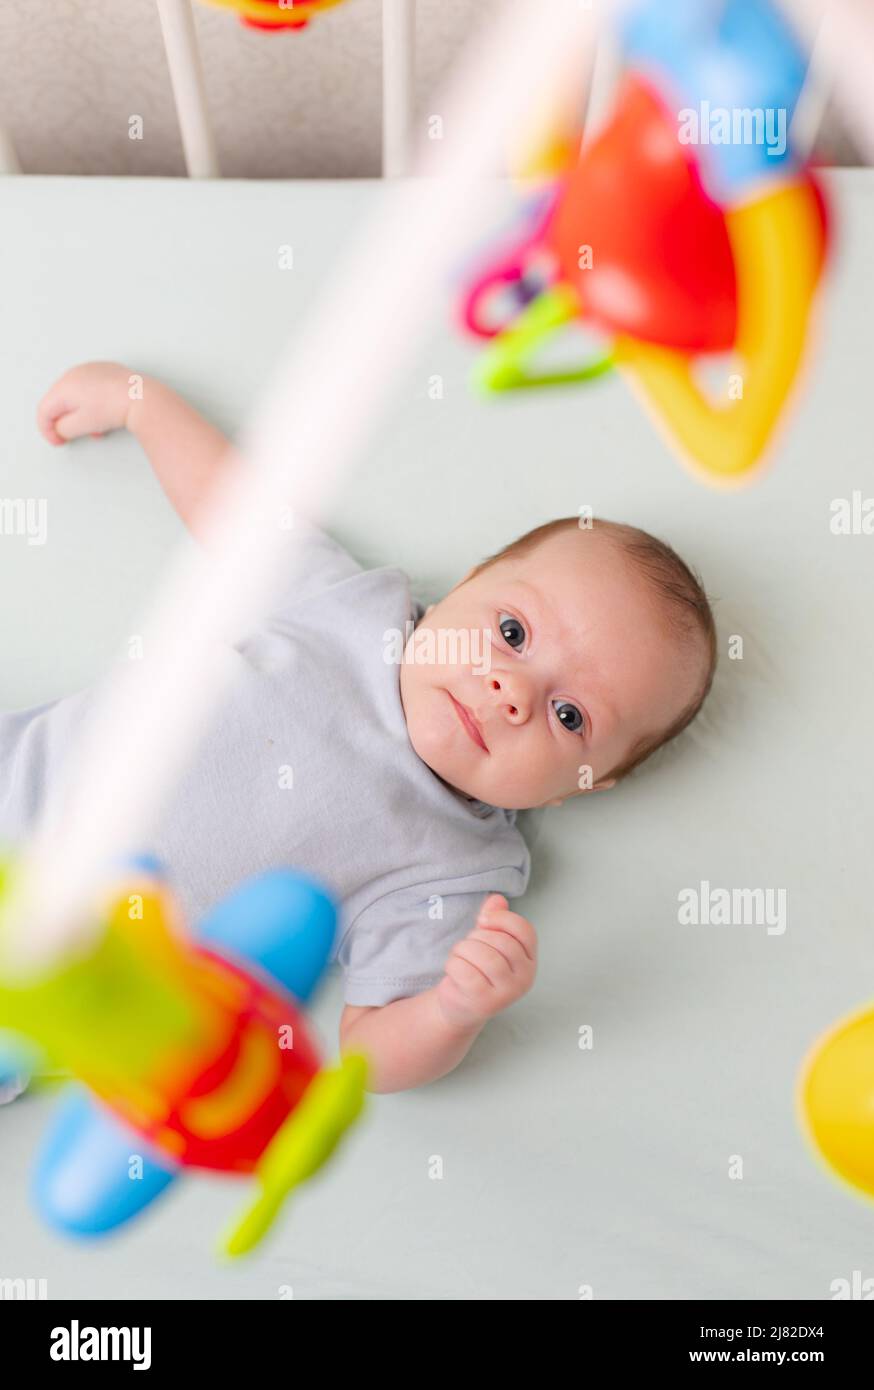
(398, 946)
(34, 744)
(314, 561)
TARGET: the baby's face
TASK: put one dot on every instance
(581, 666)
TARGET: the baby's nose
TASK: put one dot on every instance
(511, 701)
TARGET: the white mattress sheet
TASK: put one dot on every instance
(562, 1168)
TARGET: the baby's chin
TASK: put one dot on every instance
(506, 800)
(491, 796)
(475, 782)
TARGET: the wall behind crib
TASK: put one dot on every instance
(308, 104)
(74, 72)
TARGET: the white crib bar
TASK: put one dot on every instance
(841, 33)
(189, 93)
(604, 72)
(398, 85)
(813, 102)
(8, 158)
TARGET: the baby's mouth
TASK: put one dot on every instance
(469, 723)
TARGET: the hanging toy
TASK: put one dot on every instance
(688, 227)
(836, 1099)
(193, 1052)
(274, 15)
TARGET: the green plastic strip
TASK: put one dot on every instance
(504, 366)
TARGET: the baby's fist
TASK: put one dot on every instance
(92, 398)
(490, 968)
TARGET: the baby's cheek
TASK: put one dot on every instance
(529, 782)
(422, 735)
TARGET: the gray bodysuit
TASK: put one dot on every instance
(309, 765)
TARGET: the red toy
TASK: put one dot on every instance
(273, 15)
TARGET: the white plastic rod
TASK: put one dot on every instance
(8, 157)
(344, 360)
(812, 104)
(398, 85)
(604, 71)
(845, 47)
(189, 93)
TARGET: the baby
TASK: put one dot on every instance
(397, 782)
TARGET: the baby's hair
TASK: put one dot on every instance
(684, 602)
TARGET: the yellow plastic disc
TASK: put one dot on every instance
(837, 1099)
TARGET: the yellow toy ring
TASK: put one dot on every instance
(776, 247)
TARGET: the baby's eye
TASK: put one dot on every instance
(568, 715)
(512, 630)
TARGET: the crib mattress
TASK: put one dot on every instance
(664, 1160)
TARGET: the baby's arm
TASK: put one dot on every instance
(407, 1043)
(412, 1041)
(188, 454)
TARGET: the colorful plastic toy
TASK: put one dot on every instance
(675, 248)
(193, 1052)
(273, 15)
(836, 1099)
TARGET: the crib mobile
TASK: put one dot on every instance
(274, 16)
(672, 238)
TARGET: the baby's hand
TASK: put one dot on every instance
(490, 968)
(90, 399)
